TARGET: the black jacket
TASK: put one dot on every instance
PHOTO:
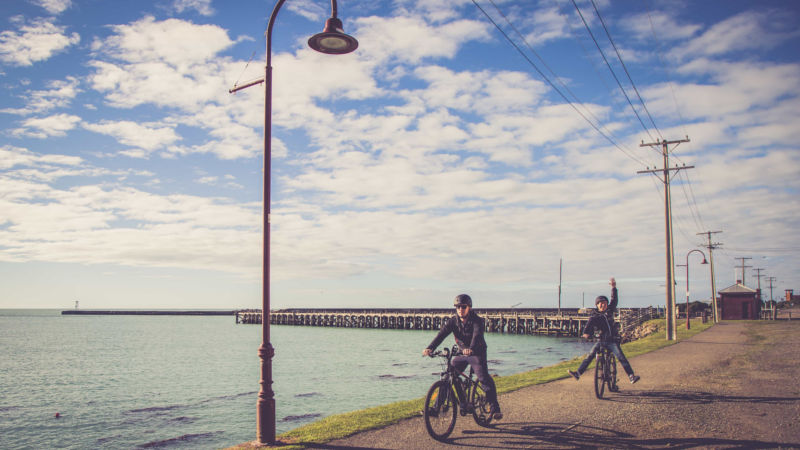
(468, 334)
(603, 322)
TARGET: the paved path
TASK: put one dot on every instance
(724, 388)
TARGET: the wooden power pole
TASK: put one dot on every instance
(664, 175)
(711, 247)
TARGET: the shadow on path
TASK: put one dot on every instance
(695, 397)
(577, 435)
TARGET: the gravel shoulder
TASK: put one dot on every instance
(734, 385)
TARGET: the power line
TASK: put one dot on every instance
(546, 79)
(625, 68)
(669, 69)
(556, 77)
(586, 25)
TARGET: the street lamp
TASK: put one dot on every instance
(332, 41)
(687, 281)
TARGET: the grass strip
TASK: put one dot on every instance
(342, 425)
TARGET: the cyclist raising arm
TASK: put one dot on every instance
(603, 322)
(467, 328)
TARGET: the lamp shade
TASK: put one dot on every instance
(333, 40)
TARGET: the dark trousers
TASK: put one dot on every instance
(614, 347)
(481, 369)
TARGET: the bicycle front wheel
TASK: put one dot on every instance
(440, 410)
(612, 374)
(599, 376)
(481, 409)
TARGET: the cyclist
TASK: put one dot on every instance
(467, 328)
(603, 322)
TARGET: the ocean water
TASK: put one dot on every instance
(192, 381)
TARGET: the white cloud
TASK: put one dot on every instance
(143, 136)
(90, 224)
(747, 31)
(733, 89)
(411, 39)
(170, 63)
(34, 42)
(16, 156)
(44, 127)
(547, 24)
(54, 7)
(203, 7)
(660, 26)
(311, 10)
(58, 95)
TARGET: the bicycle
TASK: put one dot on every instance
(605, 372)
(455, 390)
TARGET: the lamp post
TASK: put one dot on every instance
(332, 41)
(687, 281)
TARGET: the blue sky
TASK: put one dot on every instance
(436, 159)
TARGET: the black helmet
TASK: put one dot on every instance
(463, 299)
(601, 298)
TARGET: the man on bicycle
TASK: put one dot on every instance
(467, 328)
(603, 322)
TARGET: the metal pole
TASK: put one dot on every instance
(265, 414)
(713, 283)
(687, 291)
(687, 281)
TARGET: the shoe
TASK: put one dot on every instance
(495, 413)
(574, 374)
(634, 378)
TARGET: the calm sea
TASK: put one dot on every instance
(191, 382)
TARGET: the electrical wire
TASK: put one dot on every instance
(668, 69)
(546, 79)
(597, 44)
(625, 68)
(557, 78)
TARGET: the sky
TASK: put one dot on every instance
(465, 147)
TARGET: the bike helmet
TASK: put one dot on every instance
(601, 298)
(463, 299)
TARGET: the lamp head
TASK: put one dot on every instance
(333, 40)
(704, 261)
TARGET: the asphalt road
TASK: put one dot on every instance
(736, 385)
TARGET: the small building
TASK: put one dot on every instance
(739, 302)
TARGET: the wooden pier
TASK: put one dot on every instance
(570, 322)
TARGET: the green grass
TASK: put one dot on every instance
(342, 425)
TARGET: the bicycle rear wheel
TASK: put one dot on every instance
(599, 376)
(612, 373)
(481, 411)
(440, 410)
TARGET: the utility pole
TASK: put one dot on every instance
(744, 283)
(773, 306)
(560, 261)
(758, 275)
(711, 248)
(663, 174)
(771, 280)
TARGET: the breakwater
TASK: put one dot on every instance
(155, 312)
(538, 321)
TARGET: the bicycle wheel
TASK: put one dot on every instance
(612, 373)
(599, 376)
(440, 410)
(481, 409)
